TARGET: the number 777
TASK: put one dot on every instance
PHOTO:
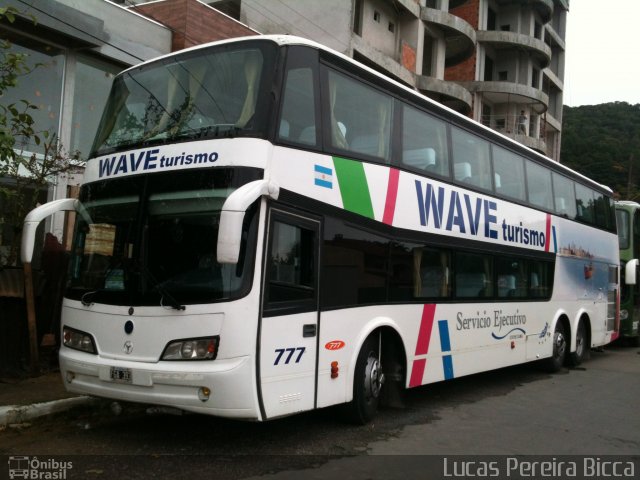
(290, 351)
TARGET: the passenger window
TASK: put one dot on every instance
(565, 196)
(471, 159)
(354, 266)
(509, 173)
(511, 276)
(298, 118)
(474, 276)
(602, 211)
(291, 264)
(359, 118)
(539, 186)
(540, 279)
(424, 142)
(584, 204)
(431, 273)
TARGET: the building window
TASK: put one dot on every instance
(357, 17)
(535, 78)
(503, 76)
(228, 7)
(42, 87)
(376, 16)
(392, 27)
(92, 84)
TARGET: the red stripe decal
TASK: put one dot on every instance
(392, 194)
(547, 242)
(424, 335)
(417, 372)
(422, 346)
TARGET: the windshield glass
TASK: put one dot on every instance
(624, 232)
(151, 240)
(205, 93)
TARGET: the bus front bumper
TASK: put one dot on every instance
(230, 383)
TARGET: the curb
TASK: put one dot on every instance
(11, 414)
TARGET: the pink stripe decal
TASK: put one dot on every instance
(547, 242)
(422, 345)
(392, 194)
(424, 336)
(417, 372)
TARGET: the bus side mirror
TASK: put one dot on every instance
(33, 219)
(631, 272)
(232, 216)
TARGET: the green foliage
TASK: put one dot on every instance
(603, 143)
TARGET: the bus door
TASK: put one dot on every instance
(288, 333)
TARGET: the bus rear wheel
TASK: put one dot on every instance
(368, 380)
(582, 347)
(555, 362)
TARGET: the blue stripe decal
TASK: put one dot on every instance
(323, 183)
(555, 240)
(445, 345)
(447, 365)
(321, 169)
(445, 342)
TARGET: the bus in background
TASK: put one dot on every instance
(267, 227)
(628, 219)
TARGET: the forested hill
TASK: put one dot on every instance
(599, 140)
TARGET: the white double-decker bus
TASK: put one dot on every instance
(268, 227)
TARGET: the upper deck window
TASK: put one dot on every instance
(359, 118)
(205, 93)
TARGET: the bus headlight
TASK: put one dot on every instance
(78, 340)
(192, 349)
(624, 314)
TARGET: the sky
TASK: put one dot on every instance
(602, 60)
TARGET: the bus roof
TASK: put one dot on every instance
(628, 203)
(284, 39)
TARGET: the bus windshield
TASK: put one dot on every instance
(624, 232)
(207, 93)
(151, 240)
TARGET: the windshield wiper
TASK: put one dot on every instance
(173, 303)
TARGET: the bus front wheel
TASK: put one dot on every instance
(368, 380)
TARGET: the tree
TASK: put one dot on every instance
(603, 142)
(25, 173)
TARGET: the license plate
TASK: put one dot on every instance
(120, 375)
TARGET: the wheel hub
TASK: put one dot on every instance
(560, 344)
(373, 377)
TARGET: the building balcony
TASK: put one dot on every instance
(509, 126)
(537, 144)
(448, 93)
(507, 92)
(501, 40)
(460, 36)
(544, 8)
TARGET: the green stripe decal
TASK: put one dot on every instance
(353, 186)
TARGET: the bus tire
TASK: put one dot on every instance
(368, 380)
(556, 361)
(582, 348)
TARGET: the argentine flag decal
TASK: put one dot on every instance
(324, 176)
